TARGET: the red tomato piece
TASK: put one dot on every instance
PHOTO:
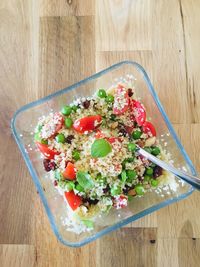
(148, 128)
(138, 112)
(73, 200)
(70, 172)
(46, 151)
(89, 123)
(121, 102)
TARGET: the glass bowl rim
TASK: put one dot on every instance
(36, 179)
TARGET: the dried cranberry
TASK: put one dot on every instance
(86, 104)
(52, 165)
(130, 92)
(69, 139)
(46, 165)
(106, 190)
(140, 178)
(55, 183)
(126, 189)
(122, 132)
(157, 171)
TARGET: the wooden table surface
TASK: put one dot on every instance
(46, 45)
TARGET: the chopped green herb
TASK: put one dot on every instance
(76, 155)
(85, 180)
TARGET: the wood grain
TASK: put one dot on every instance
(67, 7)
(70, 53)
(47, 45)
(17, 255)
(123, 25)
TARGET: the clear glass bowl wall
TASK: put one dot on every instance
(26, 119)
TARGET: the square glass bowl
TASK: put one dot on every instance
(26, 118)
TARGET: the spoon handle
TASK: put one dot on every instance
(190, 179)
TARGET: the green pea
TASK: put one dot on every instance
(74, 108)
(113, 117)
(131, 174)
(155, 151)
(123, 176)
(60, 138)
(147, 178)
(79, 188)
(136, 134)
(76, 155)
(154, 182)
(68, 123)
(110, 99)
(102, 93)
(149, 171)
(115, 191)
(38, 138)
(66, 110)
(139, 189)
(147, 149)
(70, 186)
(132, 147)
(99, 176)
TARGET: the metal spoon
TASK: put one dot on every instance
(190, 179)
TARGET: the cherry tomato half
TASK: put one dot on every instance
(121, 102)
(148, 128)
(73, 200)
(139, 112)
(89, 123)
(46, 151)
(70, 171)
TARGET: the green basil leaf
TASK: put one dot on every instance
(85, 180)
(100, 148)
